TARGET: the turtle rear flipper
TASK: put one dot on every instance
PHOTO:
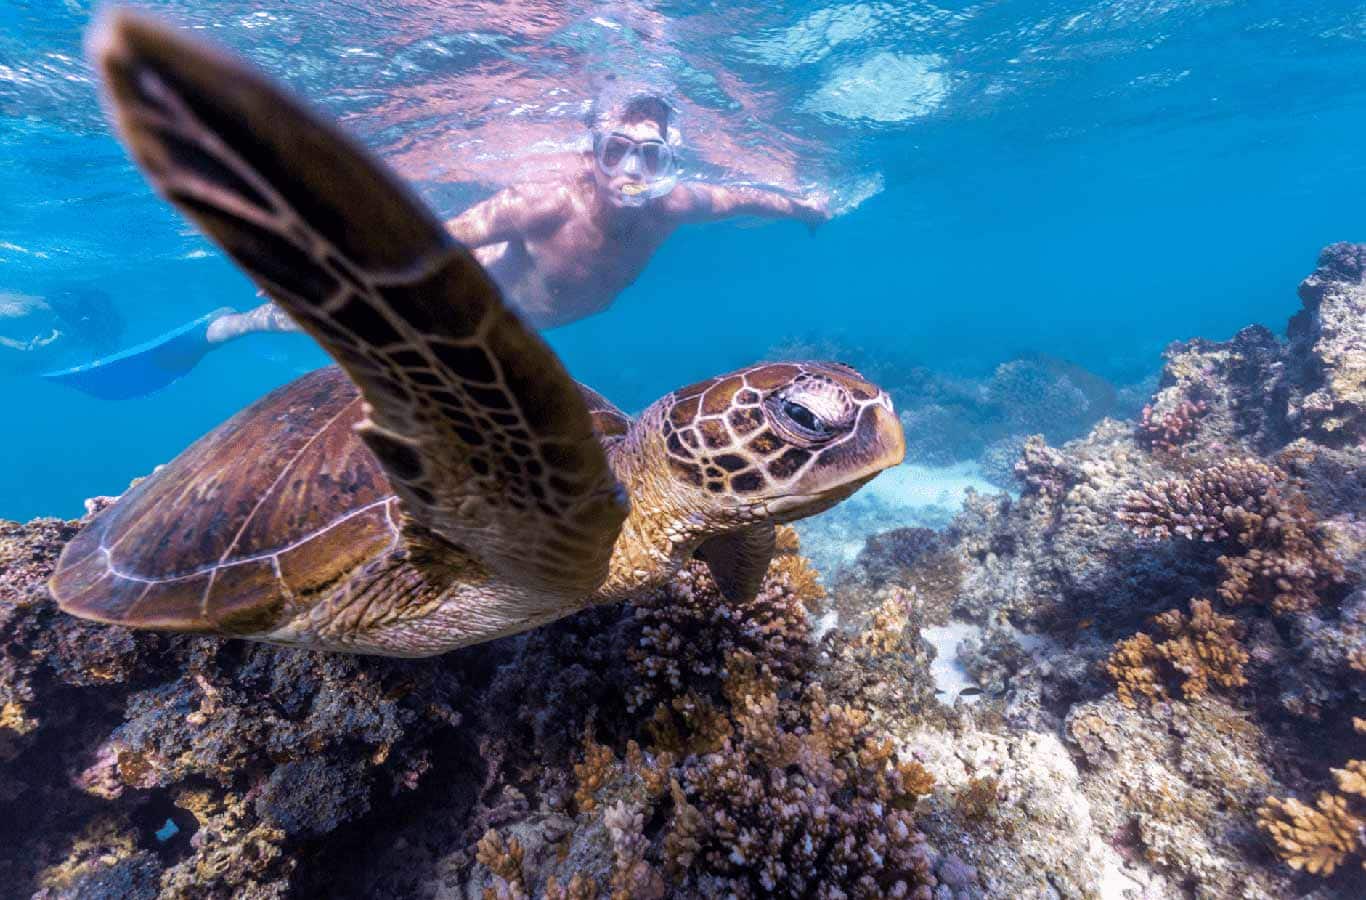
(481, 431)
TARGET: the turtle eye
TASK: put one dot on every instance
(811, 411)
(800, 422)
(803, 417)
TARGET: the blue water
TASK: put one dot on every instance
(1090, 180)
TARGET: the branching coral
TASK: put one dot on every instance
(688, 629)
(1197, 650)
(633, 878)
(1249, 506)
(755, 784)
(1317, 840)
(1045, 472)
(592, 772)
(1166, 432)
(1320, 838)
(579, 887)
(1200, 507)
(504, 860)
(801, 800)
(777, 796)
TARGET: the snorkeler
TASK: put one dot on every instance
(564, 251)
(68, 323)
(559, 250)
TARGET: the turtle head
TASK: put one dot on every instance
(778, 441)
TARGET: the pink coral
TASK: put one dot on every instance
(1166, 431)
(1278, 559)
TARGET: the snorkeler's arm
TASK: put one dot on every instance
(710, 203)
(511, 213)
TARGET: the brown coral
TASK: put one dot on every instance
(1356, 659)
(1280, 562)
(887, 632)
(1320, 838)
(504, 860)
(1317, 840)
(579, 887)
(1197, 650)
(592, 773)
(980, 798)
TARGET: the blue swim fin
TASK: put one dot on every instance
(145, 368)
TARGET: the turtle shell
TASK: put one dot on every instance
(253, 522)
(263, 513)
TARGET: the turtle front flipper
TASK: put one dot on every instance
(738, 560)
(479, 428)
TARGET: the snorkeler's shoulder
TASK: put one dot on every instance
(687, 199)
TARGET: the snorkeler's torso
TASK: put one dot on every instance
(579, 265)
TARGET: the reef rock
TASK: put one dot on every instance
(1328, 345)
(1157, 653)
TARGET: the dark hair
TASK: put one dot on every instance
(647, 108)
(611, 107)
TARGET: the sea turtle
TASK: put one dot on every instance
(449, 483)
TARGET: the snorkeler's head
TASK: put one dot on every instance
(633, 148)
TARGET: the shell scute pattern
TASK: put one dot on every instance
(256, 517)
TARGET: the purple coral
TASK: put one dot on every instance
(1044, 471)
(802, 801)
(1280, 560)
(687, 631)
(1203, 506)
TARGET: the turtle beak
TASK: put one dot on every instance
(891, 437)
(877, 443)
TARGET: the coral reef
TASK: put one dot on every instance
(1086, 555)
(233, 769)
(1167, 431)
(1321, 837)
(1315, 838)
(1194, 649)
(1015, 705)
(203, 765)
(1279, 559)
(687, 635)
(1328, 399)
(802, 800)
(1043, 471)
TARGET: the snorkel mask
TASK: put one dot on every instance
(649, 164)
